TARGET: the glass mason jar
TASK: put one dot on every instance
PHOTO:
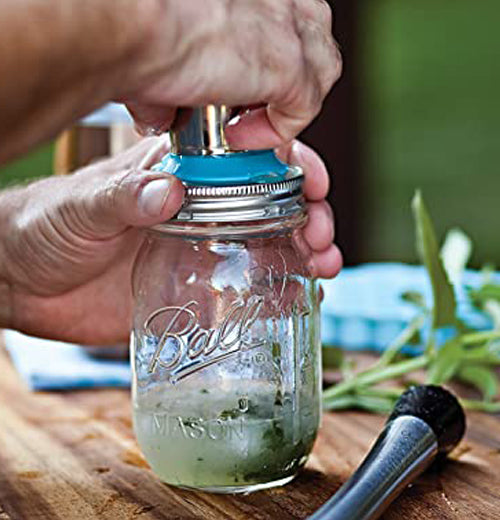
(226, 345)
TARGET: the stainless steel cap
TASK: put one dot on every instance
(244, 203)
(200, 131)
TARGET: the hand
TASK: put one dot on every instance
(69, 243)
(319, 231)
(277, 56)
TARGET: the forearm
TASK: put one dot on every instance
(59, 59)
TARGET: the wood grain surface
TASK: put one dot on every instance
(72, 455)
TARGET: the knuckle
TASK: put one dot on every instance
(118, 184)
(325, 13)
(337, 60)
(332, 72)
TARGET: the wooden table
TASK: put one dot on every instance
(72, 455)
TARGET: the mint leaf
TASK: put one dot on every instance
(446, 362)
(444, 309)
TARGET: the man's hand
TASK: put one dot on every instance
(60, 59)
(68, 244)
(277, 56)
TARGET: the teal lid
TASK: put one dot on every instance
(230, 169)
(223, 185)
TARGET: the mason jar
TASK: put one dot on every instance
(226, 341)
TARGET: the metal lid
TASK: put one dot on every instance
(244, 202)
(200, 131)
(223, 185)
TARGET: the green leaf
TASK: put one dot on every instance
(483, 378)
(489, 291)
(444, 309)
(446, 363)
(470, 355)
(455, 253)
(486, 354)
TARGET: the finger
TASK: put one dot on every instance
(144, 154)
(253, 130)
(267, 127)
(293, 109)
(134, 198)
(151, 119)
(317, 180)
(319, 229)
(321, 51)
(158, 149)
(326, 264)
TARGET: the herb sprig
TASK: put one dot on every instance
(468, 355)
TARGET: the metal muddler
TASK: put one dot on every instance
(427, 422)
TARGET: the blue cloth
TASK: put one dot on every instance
(53, 365)
(362, 309)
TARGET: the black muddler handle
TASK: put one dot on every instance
(427, 422)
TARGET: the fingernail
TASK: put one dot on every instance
(153, 196)
(146, 130)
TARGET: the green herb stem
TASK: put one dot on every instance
(480, 337)
(375, 375)
(365, 402)
(481, 406)
(470, 355)
(402, 339)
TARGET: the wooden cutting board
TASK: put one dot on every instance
(72, 455)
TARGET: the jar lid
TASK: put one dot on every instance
(228, 169)
(223, 185)
(245, 202)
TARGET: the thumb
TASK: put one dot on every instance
(134, 198)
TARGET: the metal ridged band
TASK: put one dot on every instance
(248, 190)
(243, 203)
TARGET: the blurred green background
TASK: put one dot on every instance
(35, 165)
(430, 77)
(431, 118)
